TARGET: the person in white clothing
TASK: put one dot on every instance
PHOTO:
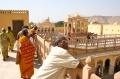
(57, 61)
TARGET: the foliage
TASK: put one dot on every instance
(31, 23)
(59, 24)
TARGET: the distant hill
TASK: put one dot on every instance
(104, 19)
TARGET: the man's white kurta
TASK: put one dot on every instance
(55, 64)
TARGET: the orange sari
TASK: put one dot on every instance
(27, 51)
(32, 31)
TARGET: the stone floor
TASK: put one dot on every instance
(8, 68)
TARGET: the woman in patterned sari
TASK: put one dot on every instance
(4, 41)
(26, 50)
(11, 37)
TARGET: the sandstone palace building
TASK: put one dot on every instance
(14, 18)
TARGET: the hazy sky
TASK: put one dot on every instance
(57, 10)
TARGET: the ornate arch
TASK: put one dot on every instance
(117, 64)
(107, 66)
(99, 68)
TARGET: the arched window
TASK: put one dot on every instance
(82, 24)
(69, 27)
(65, 25)
(45, 29)
(78, 24)
(41, 29)
(52, 29)
(48, 29)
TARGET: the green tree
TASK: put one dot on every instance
(31, 24)
(59, 24)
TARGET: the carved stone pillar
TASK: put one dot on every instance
(71, 28)
(103, 67)
(67, 27)
(111, 69)
(89, 68)
(74, 26)
(64, 28)
(112, 65)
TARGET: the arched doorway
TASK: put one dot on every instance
(17, 26)
(78, 24)
(106, 67)
(41, 29)
(99, 68)
(45, 29)
(52, 29)
(117, 65)
(82, 24)
(73, 30)
(69, 27)
(78, 30)
(49, 29)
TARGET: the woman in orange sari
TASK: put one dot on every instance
(26, 50)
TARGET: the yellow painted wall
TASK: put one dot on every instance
(104, 29)
(6, 17)
(111, 29)
(95, 28)
(59, 29)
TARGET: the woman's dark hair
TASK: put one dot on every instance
(35, 27)
(25, 31)
(9, 28)
(57, 39)
(25, 27)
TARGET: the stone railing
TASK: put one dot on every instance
(93, 45)
(108, 36)
(43, 47)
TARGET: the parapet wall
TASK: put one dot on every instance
(14, 11)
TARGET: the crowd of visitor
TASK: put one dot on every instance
(55, 63)
(53, 67)
(24, 47)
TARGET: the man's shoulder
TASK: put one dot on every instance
(59, 50)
